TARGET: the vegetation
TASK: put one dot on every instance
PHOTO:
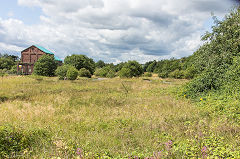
(45, 66)
(131, 69)
(115, 118)
(100, 64)
(8, 64)
(106, 71)
(72, 73)
(130, 118)
(83, 72)
(80, 61)
(61, 71)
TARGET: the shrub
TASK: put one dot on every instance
(83, 72)
(125, 72)
(111, 74)
(106, 71)
(13, 70)
(190, 72)
(177, 74)
(45, 66)
(147, 74)
(72, 73)
(215, 57)
(131, 69)
(61, 71)
(80, 61)
(163, 74)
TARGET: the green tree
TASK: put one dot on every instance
(61, 71)
(83, 72)
(7, 63)
(45, 66)
(100, 64)
(151, 66)
(131, 69)
(215, 57)
(80, 61)
(107, 71)
(72, 73)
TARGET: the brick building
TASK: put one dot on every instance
(29, 56)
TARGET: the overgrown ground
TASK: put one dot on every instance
(115, 118)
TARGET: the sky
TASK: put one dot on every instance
(109, 30)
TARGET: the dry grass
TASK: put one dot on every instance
(114, 116)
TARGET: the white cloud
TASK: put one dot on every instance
(114, 30)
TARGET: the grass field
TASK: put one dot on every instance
(110, 118)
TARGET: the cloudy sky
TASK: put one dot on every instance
(110, 30)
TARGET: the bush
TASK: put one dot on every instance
(111, 74)
(61, 71)
(125, 72)
(216, 56)
(83, 72)
(13, 70)
(131, 69)
(80, 61)
(45, 66)
(163, 74)
(72, 73)
(106, 71)
(190, 72)
(147, 74)
(177, 74)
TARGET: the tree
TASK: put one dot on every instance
(72, 73)
(131, 69)
(6, 62)
(107, 71)
(83, 72)
(151, 67)
(80, 61)
(215, 58)
(45, 66)
(61, 71)
(146, 65)
(100, 64)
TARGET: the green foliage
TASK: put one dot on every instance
(72, 73)
(7, 62)
(214, 59)
(119, 66)
(151, 67)
(100, 64)
(107, 71)
(3, 72)
(190, 72)
(13, 70)
(177, 74)
(111, 74)
(147, 74)
(165, 67)
(125, 72)
(16, 141)
(45, 66)
(61, 71)
(80, 61)
(83, 72)
(131, 69)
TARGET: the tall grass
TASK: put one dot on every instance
(114, 118)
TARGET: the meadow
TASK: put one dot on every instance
(43, 117)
